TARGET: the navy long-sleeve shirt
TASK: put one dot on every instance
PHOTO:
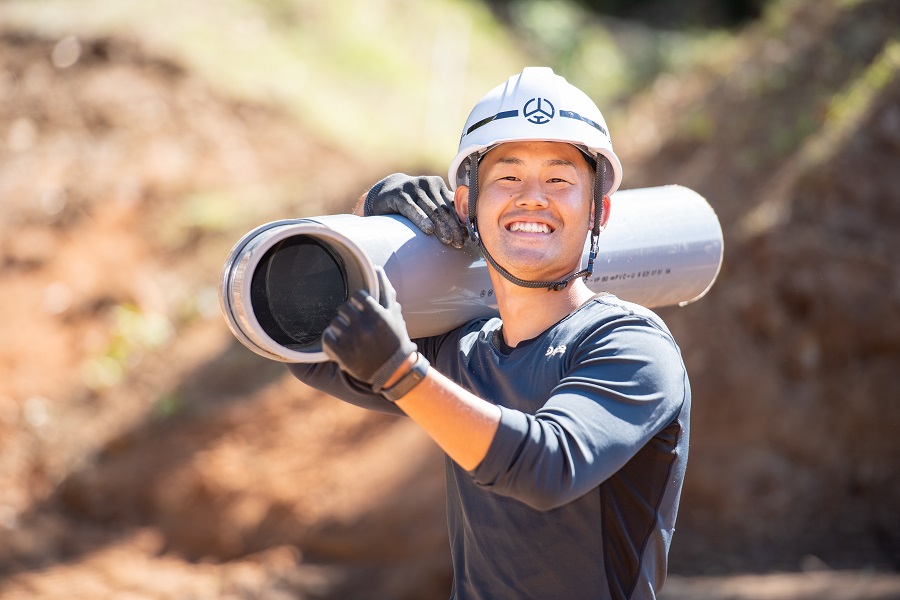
(578, 493)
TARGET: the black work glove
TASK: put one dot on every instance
(425, 200)
(368, 338)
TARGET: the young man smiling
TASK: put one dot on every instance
(565, 420)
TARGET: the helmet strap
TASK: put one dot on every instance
(552, 286)
(472, 223)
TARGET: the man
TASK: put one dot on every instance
(565, 420)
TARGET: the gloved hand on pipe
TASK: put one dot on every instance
(425, 200)
(368, 338)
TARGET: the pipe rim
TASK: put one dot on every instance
(244, 260)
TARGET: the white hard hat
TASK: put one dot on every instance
(535, 105)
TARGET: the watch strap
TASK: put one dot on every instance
(411, 379)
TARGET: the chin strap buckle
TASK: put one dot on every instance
(473, 233)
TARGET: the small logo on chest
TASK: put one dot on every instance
(551, 351)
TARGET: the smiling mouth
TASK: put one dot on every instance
(529, 227)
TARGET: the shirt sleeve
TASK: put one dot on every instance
(328, 377)
(625, 382)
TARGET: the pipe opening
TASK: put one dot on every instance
(296, 290)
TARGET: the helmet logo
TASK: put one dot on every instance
(538, 111)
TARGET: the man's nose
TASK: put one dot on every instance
(532, 195)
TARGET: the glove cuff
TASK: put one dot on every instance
(370, 198)
(384, 372)
(413, 377)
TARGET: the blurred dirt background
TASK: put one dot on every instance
(145, 454)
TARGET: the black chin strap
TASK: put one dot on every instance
(552, 286)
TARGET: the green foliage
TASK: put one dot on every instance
(389, 79)
(133, 332)
(169, 405)
(609, 59)
(384, 79)
(685, 13)
(851, 105)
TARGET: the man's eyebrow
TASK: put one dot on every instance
(511, 160)
(553, 162)
(560, 162)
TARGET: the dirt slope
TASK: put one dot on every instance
(794, 353)
(131, 424)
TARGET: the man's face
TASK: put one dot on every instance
(534, 207)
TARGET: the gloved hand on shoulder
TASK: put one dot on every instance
(425, 200)
(368, 337)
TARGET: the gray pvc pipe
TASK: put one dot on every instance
(662, 246)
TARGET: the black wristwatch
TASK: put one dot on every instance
(412, 378)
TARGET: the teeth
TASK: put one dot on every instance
(529, 227)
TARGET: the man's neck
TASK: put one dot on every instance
(528, 312)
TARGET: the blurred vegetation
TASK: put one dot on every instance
(134, 331)
(391, 79)
(609, 58)
(665, 14)
(386, 77)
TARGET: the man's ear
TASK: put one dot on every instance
(461, 203)
(606, 210)
(607, 205)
